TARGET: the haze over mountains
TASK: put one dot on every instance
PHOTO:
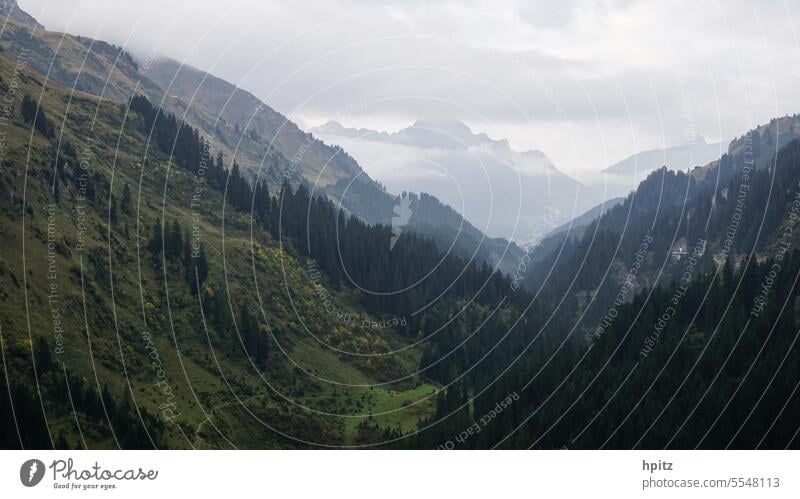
(504, 192)
(695, 153)
(265, 144)
(132, 259)
(501, 191)
(272, 147)
(441, 157)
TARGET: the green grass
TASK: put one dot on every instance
(206, 374)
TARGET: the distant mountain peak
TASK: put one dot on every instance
(445, 125)
(332, 125)
(11, 8)
(438, 133)
(446, 158)
(693, 153)
(447, 131)
(334, 128)
(425, 132)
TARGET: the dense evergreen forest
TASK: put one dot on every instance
(677, 385)
(719, 369)
(699, 351)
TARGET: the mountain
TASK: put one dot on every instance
(235, 119)
(676, 209)
(737, 205)
(621, 178)
(89, 66)
(760, 144)
(156, 295)
(161, 310)
(587, 218)
(241, 121)
(503, 192)
(11, 9)
(267, 145)
(174, 303)
(681, 157)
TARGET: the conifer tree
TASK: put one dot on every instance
(126, 202)
(156, 244)
(174, 245)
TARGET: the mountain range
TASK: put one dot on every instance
(267, 145)
(503, 192)
(682, 157)
(158, 289)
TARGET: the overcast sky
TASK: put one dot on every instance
(588, 83)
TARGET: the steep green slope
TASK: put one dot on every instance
(244, 123)
(733, 207)
(266, 141)
(80, 270)
(87, 65)
(266, 144)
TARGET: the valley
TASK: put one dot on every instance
(183, 267)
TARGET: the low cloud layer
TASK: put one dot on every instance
(504, 193)
(562, 77)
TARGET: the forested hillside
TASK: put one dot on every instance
(121, 282)
(157, 292)
(269, 147)
(195, 308)
(736, 207)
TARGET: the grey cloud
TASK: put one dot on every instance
(645, 73)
